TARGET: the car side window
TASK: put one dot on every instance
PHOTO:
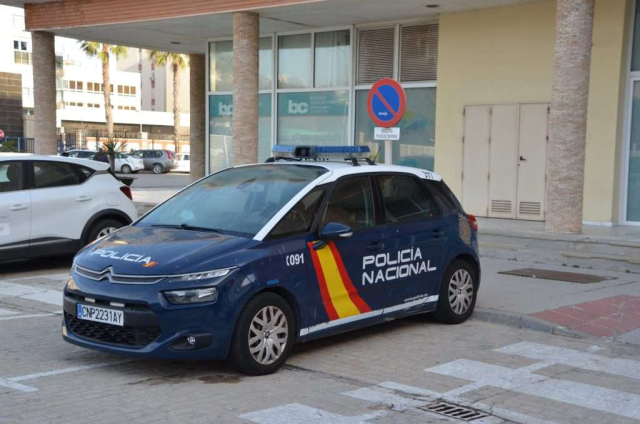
(83, 172)
(11, 177)
(403, 200)
(158, 153)
(185, 157)
(54, 174)
(350, 203)
(443, 196)
(301, 217)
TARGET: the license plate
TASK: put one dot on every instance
(106, 316)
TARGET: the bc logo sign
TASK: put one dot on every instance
(386, 102)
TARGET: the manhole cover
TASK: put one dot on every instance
(546, 274)
(453, 411)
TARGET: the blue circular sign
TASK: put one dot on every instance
(387, 102)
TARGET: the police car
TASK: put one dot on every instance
(252, 259)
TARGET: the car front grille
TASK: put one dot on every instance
(135, 337)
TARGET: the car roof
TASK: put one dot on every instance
(98, 166)
(340, 169)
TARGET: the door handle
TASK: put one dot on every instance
(522, 159)
(376, 246)
(437, 233)
(83, 199)
(18, 207)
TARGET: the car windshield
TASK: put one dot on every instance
(237, 201)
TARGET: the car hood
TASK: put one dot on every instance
(157, 251)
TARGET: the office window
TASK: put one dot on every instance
(332, 58)
(90, 87)
(79, 85)
(318, 117)
(120, 90)
(126, 90)
(72, 85)
(20, 54)
(266, 63)
(294, 61)
(419, 53)
(221, 66)
(133, 91)
(375, 55)
(416, 146)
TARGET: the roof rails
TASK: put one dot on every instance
(353, 154)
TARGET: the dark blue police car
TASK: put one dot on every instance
(252, 259)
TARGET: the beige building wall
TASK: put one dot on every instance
(505, 55)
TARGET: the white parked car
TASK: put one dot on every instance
(184, 164)
(52, 205)
(125, 164)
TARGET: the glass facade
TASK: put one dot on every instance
(221, 135)
(633, 187)
(416, 146)
(294, 61)
(314, 99)
(332, 59)
(317, 117)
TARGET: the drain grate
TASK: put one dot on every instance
(453, 411)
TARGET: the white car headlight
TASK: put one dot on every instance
(206, 275)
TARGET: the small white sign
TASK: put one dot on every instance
(381, 133)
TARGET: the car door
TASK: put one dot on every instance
(341, 292)
(62, 202)
(415, 244)
(15, 211)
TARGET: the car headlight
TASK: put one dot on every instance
(206, 275)
(71, 285)
(190, 296)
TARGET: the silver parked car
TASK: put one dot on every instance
(158, 161)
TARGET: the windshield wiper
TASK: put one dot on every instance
(185, 226)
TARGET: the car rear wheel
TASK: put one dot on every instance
(126, 169)
(158, 168)
(103, 228)
(264, 335)
(458, 292)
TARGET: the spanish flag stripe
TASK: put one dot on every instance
(324, 292)
(353, 293)
(337, 291)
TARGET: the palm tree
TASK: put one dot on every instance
(177, 62)
(103, 52)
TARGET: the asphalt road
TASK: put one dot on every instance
(392, 373)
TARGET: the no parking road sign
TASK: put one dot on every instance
(386, 102)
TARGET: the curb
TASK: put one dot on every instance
(526, 322)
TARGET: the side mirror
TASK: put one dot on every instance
(335, 231)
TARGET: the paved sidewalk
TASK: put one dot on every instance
(609, 309)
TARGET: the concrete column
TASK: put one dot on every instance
(246, 30)
(44, 92)
(197, 123)
(568, 120)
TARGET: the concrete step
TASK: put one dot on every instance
(578, 252)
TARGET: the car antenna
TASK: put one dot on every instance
(376, 156)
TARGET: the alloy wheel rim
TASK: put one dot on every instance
(157, 169)
(268, 335)
(106, 231)
(460, 291)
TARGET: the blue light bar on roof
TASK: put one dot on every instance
(321, 152)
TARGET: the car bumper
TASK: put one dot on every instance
(153, 328)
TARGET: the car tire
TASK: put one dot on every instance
(158, 168)
(126, 169)
(253, 351)
(103, 228)
(458, 293)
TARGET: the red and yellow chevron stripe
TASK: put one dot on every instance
(339, 296)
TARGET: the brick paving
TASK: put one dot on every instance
(609, 317)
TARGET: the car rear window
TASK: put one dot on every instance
(443, 196)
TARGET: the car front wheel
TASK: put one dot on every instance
(126, 169)
(458, 292)
(264, 335)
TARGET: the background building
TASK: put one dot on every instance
(79, 96)
(526, 107)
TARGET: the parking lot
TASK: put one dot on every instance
(387, 374)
